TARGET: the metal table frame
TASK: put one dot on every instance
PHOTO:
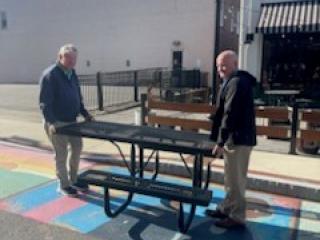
(201, 148)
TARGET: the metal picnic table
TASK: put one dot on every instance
(155, 139)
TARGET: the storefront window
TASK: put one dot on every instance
(291, 61)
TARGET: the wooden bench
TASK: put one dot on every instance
(194, 124)
(273, 122)
(194, 117)
(309, 130)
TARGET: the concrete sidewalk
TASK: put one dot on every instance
(293, 175)
(31, 208)
(28, 229)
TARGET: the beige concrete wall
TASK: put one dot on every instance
(107, 33)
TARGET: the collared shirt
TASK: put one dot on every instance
(226, 80)
(223, 84)
(67, 72)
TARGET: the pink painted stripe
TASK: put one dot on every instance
(3, 206)
(34, 157)
(51, 210)
(23, 152)
(84, 164)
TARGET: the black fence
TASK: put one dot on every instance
(103, 90)
(89, 90)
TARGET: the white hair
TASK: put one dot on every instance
(229, 54)
(67, 48)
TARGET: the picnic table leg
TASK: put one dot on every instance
(133, 160)
(157, 165)
(182, 224)
(142, 164)
(107, 207)
(208, 178)
(141, 161)
(196, 182)
(197, 171)
(132, 166)
(122, 207)
(200, 170)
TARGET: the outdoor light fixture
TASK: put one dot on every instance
(249, 38)
(176, 43)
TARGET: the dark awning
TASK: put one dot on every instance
(289, 17)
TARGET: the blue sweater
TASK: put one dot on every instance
(60, 98)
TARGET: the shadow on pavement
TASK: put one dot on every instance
(141, 221)
(25, 142)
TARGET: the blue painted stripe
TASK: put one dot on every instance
(84, 219)
(139, 201)
(266, 231)
(277, 220)
(34, 198)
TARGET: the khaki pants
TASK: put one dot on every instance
(235, 177)
(67, 156)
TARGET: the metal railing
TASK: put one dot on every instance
(88, 86)
(109, 89)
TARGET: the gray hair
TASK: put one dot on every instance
(67, 48)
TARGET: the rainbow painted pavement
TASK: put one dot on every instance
(28, 188)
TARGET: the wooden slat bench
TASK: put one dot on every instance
(265, 115)
(309, 131)
(149, 117)
(272, 122)
(269, 115)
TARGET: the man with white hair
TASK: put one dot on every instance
(234, 131)
(61, 103)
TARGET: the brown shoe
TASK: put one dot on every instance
(229, 223)
(215, 214)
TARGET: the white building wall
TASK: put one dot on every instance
(251, 54)
(107, 33)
